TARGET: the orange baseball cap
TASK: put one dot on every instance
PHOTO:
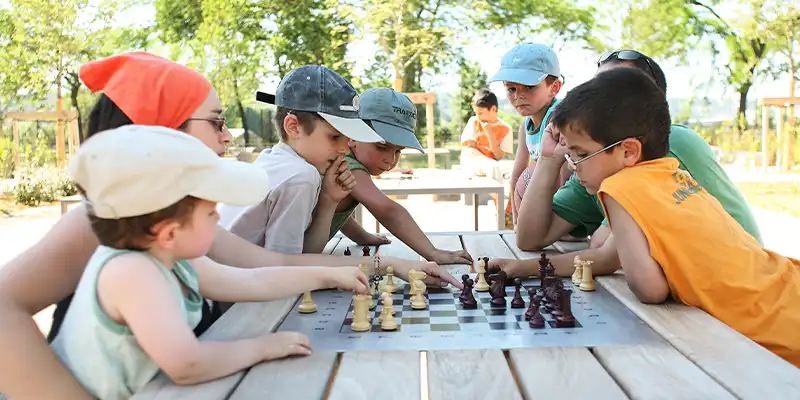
(149, 89)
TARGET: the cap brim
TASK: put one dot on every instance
(235, 183)
(264, 97)
(397, 135)
(354, 128)
(526, 77)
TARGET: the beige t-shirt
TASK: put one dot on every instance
(278, 222)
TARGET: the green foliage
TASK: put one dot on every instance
(471, 78)
(43, 185)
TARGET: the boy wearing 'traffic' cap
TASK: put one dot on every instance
(317, 113)
(393, 116)
(530, 73)
(151, 195)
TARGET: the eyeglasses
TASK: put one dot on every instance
(626, 55)
(574, 164)
(218, 123)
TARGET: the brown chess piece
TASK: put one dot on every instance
(365, 251)
(347, 251)
(534, 304)
(566, 319)
(517, 301)
(537, 320)
(468, 301)
(498, 289)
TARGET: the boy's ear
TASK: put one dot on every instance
(493, 109)
(632, 149)
(555, 87)
(165, 233)
(291, 126)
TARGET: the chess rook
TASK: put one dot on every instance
(361, 320)
(587, 282)
(566, 319)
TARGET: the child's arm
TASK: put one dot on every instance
(494, 145)
(399, 222)
(643, 274)
(337, 182)
(224, 283)
(156, 322)
(520, 163)
(356, 233)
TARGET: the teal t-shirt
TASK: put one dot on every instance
(572, 203)
(533, 133)
(341, 217)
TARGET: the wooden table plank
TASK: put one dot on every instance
(489, 245)
(398, 249)
(290, 378)
(569, 247)
(355, 250)
(742, 366)
(377, 375)
(243, 320)
(658, 372)
(451, 242)
(331, 245)
(568, 372)
(470, 374)
(511, 241)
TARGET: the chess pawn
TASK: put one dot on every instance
(587, 283)
(387, 313)
(307, 305)
(537, 320)
(482, 285)
(390, 286)
(361, 322)
(578, 274)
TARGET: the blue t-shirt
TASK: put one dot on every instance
(533, 134)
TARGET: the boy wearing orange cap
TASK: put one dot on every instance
(317, 113)
(151, 195)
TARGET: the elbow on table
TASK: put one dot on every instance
(184, 369)
(649, 296)
(527, 243)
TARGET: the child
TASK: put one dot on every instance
(678, 239)
(317, 113)
(151, 195)
(486, 138)
(393, 116)
(530, 73)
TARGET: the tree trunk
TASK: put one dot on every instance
(741, 119)
(244, 121)
(74, 90)
(788, 147)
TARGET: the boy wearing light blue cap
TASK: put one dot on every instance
(393, 116)
(530, 73)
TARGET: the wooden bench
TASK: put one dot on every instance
(66, 201)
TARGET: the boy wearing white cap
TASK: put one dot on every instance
(151, 196)
(393, 116)
(530, 73)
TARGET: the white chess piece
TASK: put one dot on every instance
(361, 322)
(481, 285)
(577, 276)
(587, 283)
(307, 305)
(387, 313)
(390, 286)
(418, 301)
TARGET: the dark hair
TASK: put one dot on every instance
(307, 120)
(648, 65)
(107, 115)
(596, 109)
(484, 98)
(135, 233)
(550, 79)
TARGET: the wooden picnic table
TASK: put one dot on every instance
(699, 357)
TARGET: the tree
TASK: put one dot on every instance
(471, 78)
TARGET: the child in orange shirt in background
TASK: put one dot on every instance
(486, 138)
(675, 238)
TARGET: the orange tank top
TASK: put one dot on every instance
(709, 260)
(481, 138)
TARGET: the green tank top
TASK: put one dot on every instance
(104, 355)
(341, 217)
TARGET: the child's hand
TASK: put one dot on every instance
(284, 344)
(437, 275)
(338, 181)
(451, 257)
(373, 240)
(553, 145)
(349, 278)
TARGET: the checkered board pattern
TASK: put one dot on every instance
(446, 314)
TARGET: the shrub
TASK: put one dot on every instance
(43, 185)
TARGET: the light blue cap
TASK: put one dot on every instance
(527, 64)
(392, 114)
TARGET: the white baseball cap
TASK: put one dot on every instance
(136, 170)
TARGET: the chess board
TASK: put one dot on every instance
(600, 319)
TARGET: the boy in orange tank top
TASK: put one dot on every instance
(675, 239)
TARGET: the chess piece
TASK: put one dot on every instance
(364, 269)
(365, 251)
(555, 303)
(468, 300)
(537, 320)
(464, 281)
(566, 319)
(307, 305)
(347, 251)
(498, 289)
(361, 322)
(587, 283)
(517, 302)
(533, 304)
(387, 313)
(482, 285)
(389, 286)
(576, 276)
(417, 291)
(543, 260)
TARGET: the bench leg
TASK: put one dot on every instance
(475, 205)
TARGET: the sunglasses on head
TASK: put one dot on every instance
(218, 123)
(626, 55)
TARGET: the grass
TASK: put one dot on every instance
(783, 197)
